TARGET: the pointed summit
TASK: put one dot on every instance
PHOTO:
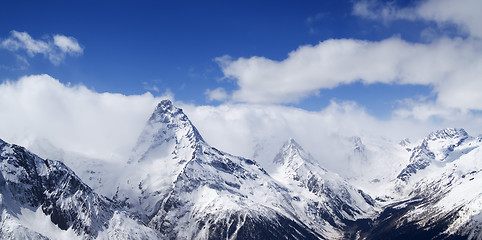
(292, 152)
(172, 117)
(293, 163)
(168, 125)
(358, 146)
(291, 141)
(335, 198)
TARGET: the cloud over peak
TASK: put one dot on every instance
(39, 109)
(55, 48)
(72, 117)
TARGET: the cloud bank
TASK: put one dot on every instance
(442, 64)
(450, 66)
(72, 117)
(258, 130)
(55, 49)
(39, 109)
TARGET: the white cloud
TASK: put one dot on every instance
(72, 117)
(106, 125)
(258, 130)
(68, 44)
(464, 13)
(218, 94)
(150, 87)
(423, 110)
(55, 50)
(22, 40)
(451, 66)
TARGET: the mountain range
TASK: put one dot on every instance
(175, 185)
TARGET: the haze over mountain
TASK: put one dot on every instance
(174, 185)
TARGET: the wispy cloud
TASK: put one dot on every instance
(20, 63)
(464, 13)
(218, 94)
(385, 11)
(311, 20)
(150, 87)
(55, 48)
(315, 18)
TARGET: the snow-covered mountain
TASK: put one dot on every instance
(437, 148)
(176, 186)
(42, 199)
(187, 189)
(440, 191)
(335, 199)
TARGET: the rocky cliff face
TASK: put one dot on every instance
(50, 189)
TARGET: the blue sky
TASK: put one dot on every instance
(132, 47)
(247, 73)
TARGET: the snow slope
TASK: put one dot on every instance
(336, 199)
(45, 199)
(449, 177)
(439, 191)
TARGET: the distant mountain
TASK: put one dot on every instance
(335, 199)
(436, 148)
